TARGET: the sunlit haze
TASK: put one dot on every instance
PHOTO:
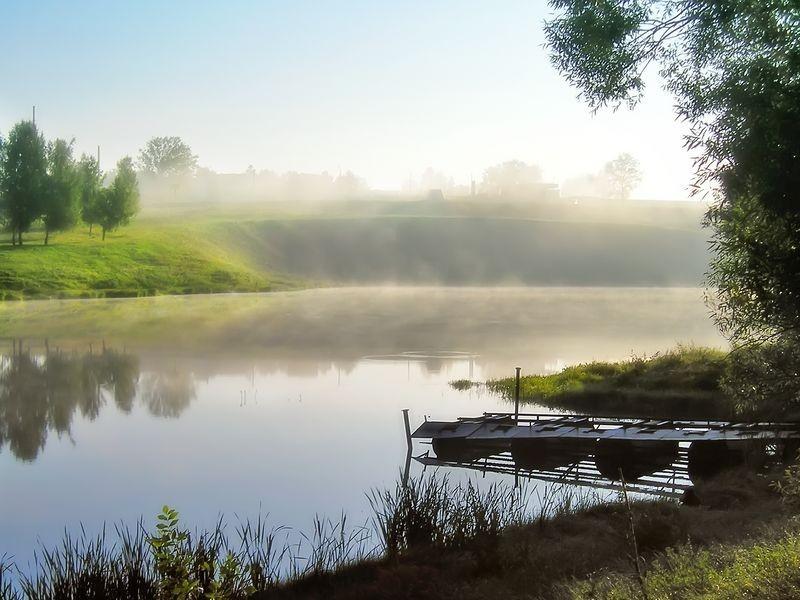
(383, 89)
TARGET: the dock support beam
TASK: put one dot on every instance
(408, 428)
(516, 396)
(407, 468)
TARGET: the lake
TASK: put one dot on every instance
(285, 404)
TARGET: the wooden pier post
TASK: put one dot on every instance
(516, 396)
(407, 468)
(408, 428)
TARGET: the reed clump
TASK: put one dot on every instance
(463, 384)
(430, 513)
(174, 563)
(424, 514)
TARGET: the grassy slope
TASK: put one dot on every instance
(140, 260)
(742, 529)
(682, 383)
(470, 250)
(177, 251)
(765, 569)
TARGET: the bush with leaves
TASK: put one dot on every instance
(732, 68)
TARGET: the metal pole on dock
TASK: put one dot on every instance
(516, 396)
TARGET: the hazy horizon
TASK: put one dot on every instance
(384, 91)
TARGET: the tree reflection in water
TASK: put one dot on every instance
(167, 394)
(40, 393)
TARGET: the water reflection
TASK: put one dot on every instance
(168, 394)
(301, 422)
(656, 467)
(630, 460)
(41, 392)
(305, 333)
(549, 453)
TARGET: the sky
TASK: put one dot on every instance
(385, 89)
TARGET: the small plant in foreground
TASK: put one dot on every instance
(174, 561)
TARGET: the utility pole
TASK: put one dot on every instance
(34, 114)
(98, 156)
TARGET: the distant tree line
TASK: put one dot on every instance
(41, 181)
(517, 179)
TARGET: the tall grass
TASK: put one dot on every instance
(681, 383)
(135, 564)
(768, 570)
(432, 513)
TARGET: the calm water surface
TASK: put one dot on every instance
(286, 404)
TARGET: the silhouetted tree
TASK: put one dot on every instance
(90, 182)
(623, 174)
(60, 200)
(166, 156)
(22, 178)
(732, 70)
(118, 203)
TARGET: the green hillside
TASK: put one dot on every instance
(139, 261)
(227, 253)
(470, 251)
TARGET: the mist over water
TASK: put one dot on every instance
(282, 403)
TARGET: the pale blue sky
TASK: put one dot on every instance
(382, 88)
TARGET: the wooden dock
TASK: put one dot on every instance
(503, 427)
(655, 457)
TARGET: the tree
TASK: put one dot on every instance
(90, 179)
(3, 223)
(167, 156)
(513, 176)
(732, 69)
(623, 174)
(349, 184)
(119, 203)
(61, 197)
(22, 178)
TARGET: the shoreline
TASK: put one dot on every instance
(388, 286)
(570, 548)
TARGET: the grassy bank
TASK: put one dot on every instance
(471, 250)
(446, 542)
(682, 383)
(141, 260)
(766, 569)
(169, 251)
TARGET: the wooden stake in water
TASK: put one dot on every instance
(516, 396)
(407, 469)
(408, 428)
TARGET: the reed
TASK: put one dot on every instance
(431, 513)
(427, 513)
